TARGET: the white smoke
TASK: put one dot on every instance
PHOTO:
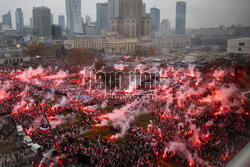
(24, 101)
(4, 87)
(119, 67)
(181, 149)
(30, 73)
(59, 75)
(63, 102)
(121, 118)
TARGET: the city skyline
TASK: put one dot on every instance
(200, 13)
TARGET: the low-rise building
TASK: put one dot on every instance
(14, 59)
(238, 46)
(110, 43)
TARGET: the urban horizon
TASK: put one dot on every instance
(192, 13)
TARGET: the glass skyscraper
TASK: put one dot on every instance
(180, 24)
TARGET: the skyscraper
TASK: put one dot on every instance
(74, 19)
(155, 19)
(42, 22)
(102, 16)
(88, 20)
(180, 24)
(144, 10)
(61, 21)
(51, 19)
(165, 27)
(56, 31)
(130, 22)
(31, 21)
(113, 10)
(7, 19)
(19, 19)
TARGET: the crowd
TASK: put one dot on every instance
(206, 130)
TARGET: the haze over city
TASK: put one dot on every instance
(200, 13)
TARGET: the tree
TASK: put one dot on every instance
(76, 55)
(36, 49)
(63, 50)
(99, 63)
(58, 53)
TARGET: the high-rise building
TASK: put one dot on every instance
(180, 24)
(155, 19)
(113, 10)
(42, 22)
(144, 10)
(130, 22)
(7, 19)
(1, 26)
(56, 31)
(31, 21)
(102, 16)
(74, 19)
(61, 21)
(19, 19)
(51, 19)
(165, 27)
(88, 20)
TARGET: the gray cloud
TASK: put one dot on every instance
(200, 13)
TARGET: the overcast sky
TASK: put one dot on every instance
(200, 13)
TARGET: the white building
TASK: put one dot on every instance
(74, 19)
(191, 58)
(238, 46)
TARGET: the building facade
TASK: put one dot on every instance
(130, 22)
(180, 22)
(42, 22)
(56, 31)
(102, 16)
(88, 20)
(74, 19)
(61, 21)
(111, 43)
(144, 10)
(165, 27)
(113, 10)
(31, 22)
(155, 19)
(51, 19)
(19, 19)
(238, 46)
(7, 19)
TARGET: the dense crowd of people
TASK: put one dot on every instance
(188, 128)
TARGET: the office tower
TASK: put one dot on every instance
(102, 16)
(56, 31)
(180, 24)
(130, 9)
(7, 19)
(130, 22)
(144, 10)
(155, 19)
(31, 21)
(88, 20)
(74, 19)
(165, 27)
(19, 19)
(51, 19)
(42, 22)
(61, 21)
(113, 10)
